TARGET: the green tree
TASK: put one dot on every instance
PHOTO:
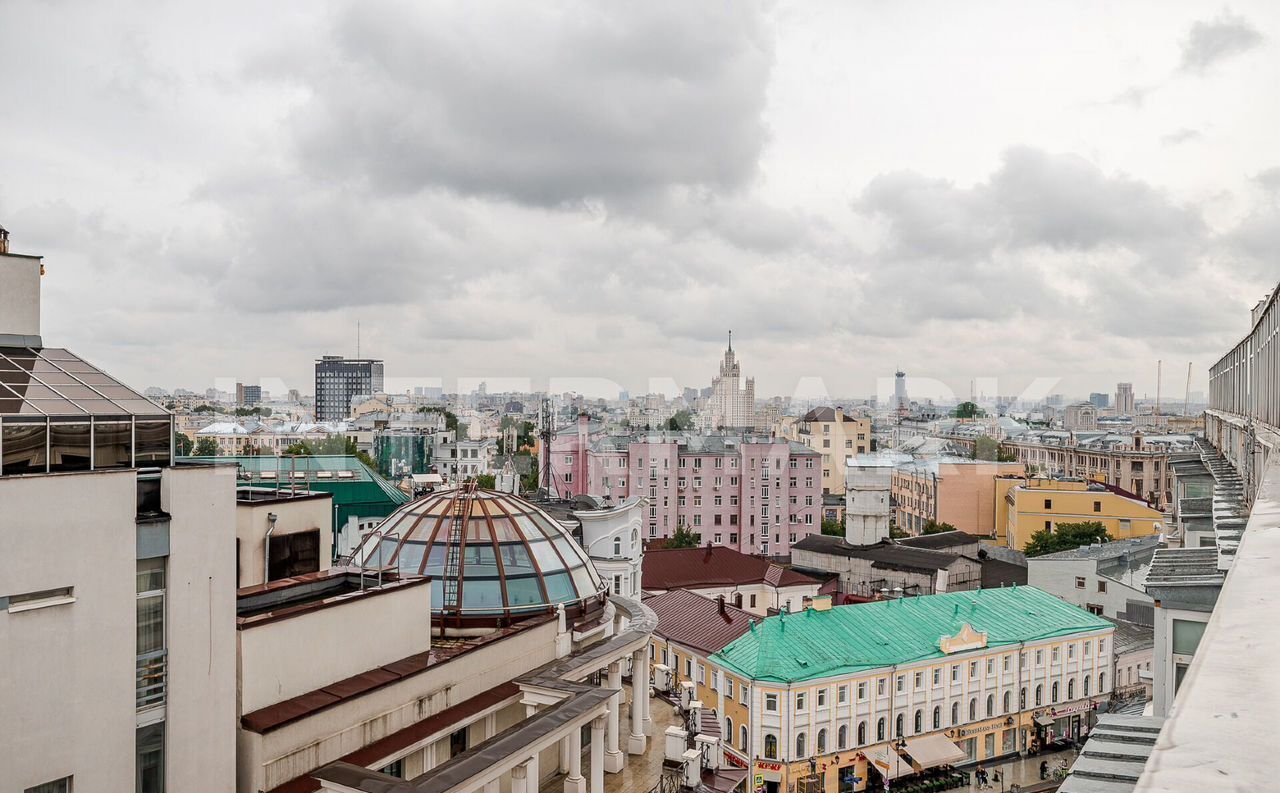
(896, 533)
(682, 537)
(681, 420)
(486, 481)
(205, 447)
(934, 527)
(966, 410)
(833, 528)
(182, 444)
(1065, 537)
(527, 465)
(332, 445)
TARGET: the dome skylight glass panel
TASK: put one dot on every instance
(512, 559)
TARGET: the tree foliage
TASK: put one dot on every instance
(966, 410)
(333, 444)
(934, 527)
(682, 420)
(682, 537)
(486, 481)
(182, 444)
(206, 447)
(833, 528)
(1065, 537)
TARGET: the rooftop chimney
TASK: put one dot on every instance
(19, 297)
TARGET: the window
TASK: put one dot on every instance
(1071, 689)
(918, 722)
(1071, 650)
(973, 709)
(800, 747)
(771, 746)
(1079, 582)
(395, 768)
(617, 546)
(955, 673)
(862, 733)
(1008, 695)
(900, 684)
(842, 694)
(822, 742)
(918, 680)
(842, 737)
(28, 601)
(991, 666)
(1054, 691)
(1097, 506)
(1102, 646)
(1102, 586)
(1039, 657)
(1102, 683)
(1004, 663)
(880, 729)
(800, 701)
(880, 687)
(937, 717)
(937, 676)
(1039, 695)
(742, 736)
(1056, 651)
(973, 669)
(56, 786)
(991, 705)
(822, 697)
(728, 687)
(955, 713)
(728, 729)
(688, 668)
(1048, 503)
(1022, 698)
(862, 692)
(771, 703)
(899, 725)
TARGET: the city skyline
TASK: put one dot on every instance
(850, 188)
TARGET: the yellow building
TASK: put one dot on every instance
(833, 434)
(841, 699)
(1031, 505)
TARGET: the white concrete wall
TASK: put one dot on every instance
(278, 660)
(201, 711)
(292, 515)
(19, 295)
(1058, 578)
(67, 690)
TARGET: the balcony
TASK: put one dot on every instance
(152, 678)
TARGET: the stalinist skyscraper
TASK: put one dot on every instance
(732, 406)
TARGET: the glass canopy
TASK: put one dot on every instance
(513, 558)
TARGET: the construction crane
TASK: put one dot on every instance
(1186, 399)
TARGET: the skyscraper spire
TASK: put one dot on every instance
(730, 341)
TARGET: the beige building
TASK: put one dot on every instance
(1137, 463)
(833, 434)
(1035, 504)
(949, 490)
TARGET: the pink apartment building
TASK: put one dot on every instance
(752, 493)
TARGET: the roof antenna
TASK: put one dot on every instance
(730, 341)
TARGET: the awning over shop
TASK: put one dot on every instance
(930, 751)
(1044, 721)
(890, 764)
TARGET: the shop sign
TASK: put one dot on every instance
(763, 766)
(968, 731)
(735, 760)
(1079, 707)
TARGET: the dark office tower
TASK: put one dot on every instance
(339, 379)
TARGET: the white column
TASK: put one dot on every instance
(574, 783)
(642, 676)
(637, 741)
(520, 779)
(534, 772)
(613, 760)
(598, 725)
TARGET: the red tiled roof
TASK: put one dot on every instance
(695, 620)
(409, 735)
(713, 565)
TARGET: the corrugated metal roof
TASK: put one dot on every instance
(713, 565)
(848, 639)
(695, 620)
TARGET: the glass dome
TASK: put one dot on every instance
(512, 559)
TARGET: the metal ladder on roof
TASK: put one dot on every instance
(453, 553)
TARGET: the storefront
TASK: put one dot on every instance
(767, 777)
(986, 740)
(1065, 724)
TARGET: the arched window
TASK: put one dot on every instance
(991, 705)
(1071, 688)
(617, 546)
(955, 713)
(822, 741)
(880, 729)
(743, 730)
(898, 725)
(1102, 681)
(1039, 695)
(1086, 685)
(1055, 691)
(800, 747)
(728, 728)
(862, 733)
(973, 709)
(842, 737)
(937, 717)
(1008, 696)
(918, 725)
(771, 746)
(1022, 698)
(635, 538)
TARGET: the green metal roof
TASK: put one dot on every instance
(848, 639)
(364, 494)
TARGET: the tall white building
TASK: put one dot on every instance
(1124, 399)
(117, 581)
(732, 404)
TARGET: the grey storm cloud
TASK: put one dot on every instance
(1215, 40)
(541, 104)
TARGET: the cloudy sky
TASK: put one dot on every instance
(602, 190)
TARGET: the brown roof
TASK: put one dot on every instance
(696, 622)
(409, 735)
(714, 565)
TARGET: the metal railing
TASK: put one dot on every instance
(152, 679)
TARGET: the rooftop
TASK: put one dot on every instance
(697, 621)
(1105, 550)
(712, 565)
(886, 553)
(848, 639)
